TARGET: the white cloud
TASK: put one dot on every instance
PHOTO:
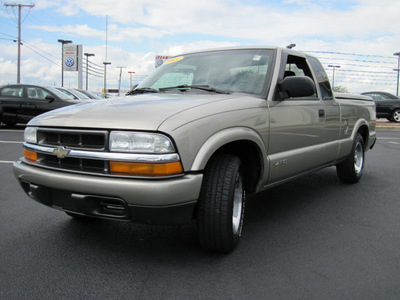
(253, 21)
(366, 27)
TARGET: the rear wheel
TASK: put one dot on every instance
(350, 171)
(221, 204)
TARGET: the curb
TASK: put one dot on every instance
(386, 125)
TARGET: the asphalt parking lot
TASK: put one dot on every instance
(313, 238)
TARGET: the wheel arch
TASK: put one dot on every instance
(242, 142)
(363, 128)
(364, 131)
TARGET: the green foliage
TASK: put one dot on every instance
(340, 89)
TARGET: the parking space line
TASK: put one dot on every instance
(11, 142)
(6, 162)
(5, 130)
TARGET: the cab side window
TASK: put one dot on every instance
(297, 66)
(14, 91)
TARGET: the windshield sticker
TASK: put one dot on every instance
(257, 57)
(172, 60)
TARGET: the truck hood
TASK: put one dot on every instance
(141, 112)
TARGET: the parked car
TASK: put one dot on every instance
(75, 94)
(89, 94)
(387, 105)
(19, 103)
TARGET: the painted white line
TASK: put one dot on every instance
(6, 162)
(10, 142)
(388, 138)
(5, 130)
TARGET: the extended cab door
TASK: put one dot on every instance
(296, 127)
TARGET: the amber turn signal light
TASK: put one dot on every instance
(30, 155)
(145, 169)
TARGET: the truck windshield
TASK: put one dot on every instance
(230, 71)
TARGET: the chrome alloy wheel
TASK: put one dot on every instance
(396, 116)
(358, 158)
(237, 205)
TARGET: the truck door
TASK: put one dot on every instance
(296, 128)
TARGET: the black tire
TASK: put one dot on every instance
(350, 171)
(221, 204)
(395, 117)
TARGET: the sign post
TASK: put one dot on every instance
(72, 60)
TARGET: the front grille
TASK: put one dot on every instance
(74, 164)
(73, 139)
(91, 140)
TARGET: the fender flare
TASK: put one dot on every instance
(222, 138)
(370, 136)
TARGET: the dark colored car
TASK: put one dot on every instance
(19, 103)
(387, 105)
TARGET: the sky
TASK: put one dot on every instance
(360, 36)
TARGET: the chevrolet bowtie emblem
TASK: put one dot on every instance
(61, 152)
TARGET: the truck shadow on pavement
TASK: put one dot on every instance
(278, 206)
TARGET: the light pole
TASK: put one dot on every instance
(333, 77)
(105, 76)
(20, 6)
(398, 70)
(87, 68)
(130, 73)
(119, 82)
(63, 42)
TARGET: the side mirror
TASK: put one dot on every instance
(296, 86)
(50, 98)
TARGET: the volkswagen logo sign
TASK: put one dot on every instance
(69, 62)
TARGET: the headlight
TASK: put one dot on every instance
(138, 142)
(30, 135)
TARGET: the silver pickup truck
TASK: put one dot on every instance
(194, 138)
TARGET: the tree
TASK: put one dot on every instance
(340, 89)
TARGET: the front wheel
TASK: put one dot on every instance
(396, 116)
(350, 171)
(221, 204)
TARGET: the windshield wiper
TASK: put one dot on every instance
(184, 87)
(141, 91)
